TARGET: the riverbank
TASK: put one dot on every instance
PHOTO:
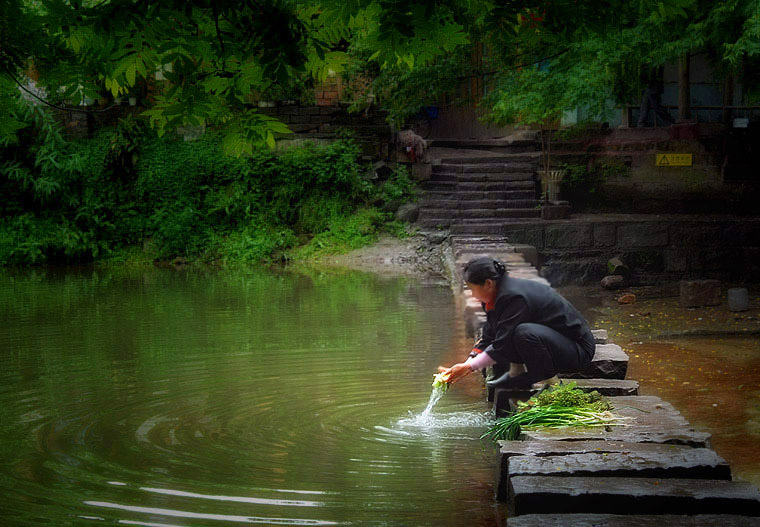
(416, 255)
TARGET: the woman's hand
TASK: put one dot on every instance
(456, 372)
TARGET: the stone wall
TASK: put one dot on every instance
(324, 123)
(655, 248)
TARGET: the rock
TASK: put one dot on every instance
(408, 212)
(630, 298)
(617, 520)
(436, 238)
(557, 494)
(614, 281)
(600, 336)
(392, 206)
(698, 293)
(738, 299)
(615, 266)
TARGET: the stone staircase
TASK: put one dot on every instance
(479, 194)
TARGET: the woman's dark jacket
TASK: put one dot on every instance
(519, 301)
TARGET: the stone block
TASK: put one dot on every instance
(562, 448)
(643, 235)
(698, 293)
(609, 362)
(689, 463)
(319, 119)
(568, 235)
(649, 419)
(605, 235)
(533, 236)
(289, 110)
(738, 299)
(618, 520)
(695, 234)
(676, 260)
(600, 336)
(557, 494)
(741, 233)
(528, 253)
(555, 212)
(309, 110)
(513, 449)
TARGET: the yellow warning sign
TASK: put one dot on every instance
(673, 160)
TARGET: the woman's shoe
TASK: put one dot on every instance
(498, 382)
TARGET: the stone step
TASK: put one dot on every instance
(472, 160)
(467, 195)
(431, 202)
(497, 168)
(690, 463)
(465, 216)
(489, 186)
(476, 177)
(557, 494)
(617, 520)
(513, 453)
(648, 419)
(609, 362)
(477, 228)
(550, 447)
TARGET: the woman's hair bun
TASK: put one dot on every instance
(500, 268)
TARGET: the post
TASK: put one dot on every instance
(684, 89)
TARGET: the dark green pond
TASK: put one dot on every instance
(165, 398)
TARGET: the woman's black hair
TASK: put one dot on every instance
(478, 270)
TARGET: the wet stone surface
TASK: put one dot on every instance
(649, 419)
(697, 463)
(616, 520)
(557, 494)
(609, 362)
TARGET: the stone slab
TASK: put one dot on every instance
(649, 420)
(557, 494)
(617, 520)
(504, 399)
(690, 463)
(549, 448)
(609, 362)
(561, 448)
(553, 449)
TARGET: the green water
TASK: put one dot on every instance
(166, 398)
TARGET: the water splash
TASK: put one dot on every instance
(435, 396)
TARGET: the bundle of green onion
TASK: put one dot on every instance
(565, 405)
(441, 381)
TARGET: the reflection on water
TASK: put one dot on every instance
(165, 398)
(715, 384)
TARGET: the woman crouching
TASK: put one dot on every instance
(527, 323)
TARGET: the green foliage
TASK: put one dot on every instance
(398, 187)
(92, 199)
